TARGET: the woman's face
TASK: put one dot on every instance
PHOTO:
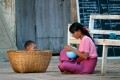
(77, 34)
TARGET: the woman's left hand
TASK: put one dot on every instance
(68, 48)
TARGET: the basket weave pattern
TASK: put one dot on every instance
(26, 61)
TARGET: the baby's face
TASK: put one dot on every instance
(32, 47)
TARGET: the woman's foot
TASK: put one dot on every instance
(66, 72)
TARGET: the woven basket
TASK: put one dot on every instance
(26, 61)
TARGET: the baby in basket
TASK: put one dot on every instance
(30, 45)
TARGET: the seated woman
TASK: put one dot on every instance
(30, 45)
(86, 61)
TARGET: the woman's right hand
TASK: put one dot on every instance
(68, 48)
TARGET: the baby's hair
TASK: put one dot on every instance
(28, 43)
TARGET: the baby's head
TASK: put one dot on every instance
(30, 45)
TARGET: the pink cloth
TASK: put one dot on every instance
(87, 45)
(78, 65)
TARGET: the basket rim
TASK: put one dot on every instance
(29, 51)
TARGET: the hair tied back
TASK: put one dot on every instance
(84, 28)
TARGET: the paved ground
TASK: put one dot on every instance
(53, 73)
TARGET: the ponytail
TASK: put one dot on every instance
(85, 32)
(77, 26)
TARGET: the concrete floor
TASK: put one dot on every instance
(53, 73)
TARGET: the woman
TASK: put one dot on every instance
(86, 61)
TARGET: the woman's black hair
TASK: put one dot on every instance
(27, 43)
(77, 26)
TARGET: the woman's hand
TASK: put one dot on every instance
(68, 48)
(83, 55)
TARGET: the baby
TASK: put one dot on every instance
(30, 45)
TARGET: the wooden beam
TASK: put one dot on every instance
(110, 42)
(114, 17)
(104, 32)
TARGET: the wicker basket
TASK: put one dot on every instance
(26, 61)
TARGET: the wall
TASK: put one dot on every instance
(43, 21)
(73, 11)
(7, 26)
